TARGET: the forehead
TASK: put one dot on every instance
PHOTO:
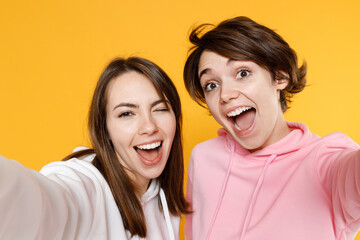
(209, 59)
(131, 86)
(212, 61)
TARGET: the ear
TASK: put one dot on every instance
(281, 80)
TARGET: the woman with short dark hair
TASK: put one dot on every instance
(263, 177)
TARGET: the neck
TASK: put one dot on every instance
(279, 132)
(141, 187)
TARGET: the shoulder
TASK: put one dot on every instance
(336, 141)
(211, 146)
(89, 195)
(309, 140)
(213, 143)
(210, 155)
(76, 172)
(331, 148)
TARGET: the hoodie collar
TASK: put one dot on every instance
(298, 137)
(151, 192)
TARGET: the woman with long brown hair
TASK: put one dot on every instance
(128, 186)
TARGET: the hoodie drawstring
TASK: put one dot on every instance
(223, 188)
(255, 195)
(167, 215)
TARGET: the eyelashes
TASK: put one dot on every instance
(125, 114)
(210, 86)
(128, 114)
(243, 73)
(163, 109)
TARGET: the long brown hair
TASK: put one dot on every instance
(123, 190)
(241, 38)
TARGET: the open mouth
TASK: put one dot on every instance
(242, 117)
(149, 152)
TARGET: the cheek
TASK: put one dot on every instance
(269, 95)
(166, 124)
(171, 126)
(212, 102)
(214, 109)
(117, 132)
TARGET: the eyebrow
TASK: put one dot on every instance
(158, 102)
(204, 71)
(131, 105)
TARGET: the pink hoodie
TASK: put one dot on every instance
(302, 187)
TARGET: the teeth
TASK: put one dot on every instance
(149, 146)
(238, 111)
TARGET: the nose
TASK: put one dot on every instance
(228, 92)
(148, 125)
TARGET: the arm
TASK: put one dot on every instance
(345, 186)
(338, 160)
(21, 202)
(34, 206)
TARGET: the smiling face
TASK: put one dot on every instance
(141, 127)
(243, 98)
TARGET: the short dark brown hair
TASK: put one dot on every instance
(123, 190)
(241, 38)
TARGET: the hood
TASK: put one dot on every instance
(299, 136)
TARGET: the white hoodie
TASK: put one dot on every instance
(71, 200)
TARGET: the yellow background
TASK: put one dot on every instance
(52, 53)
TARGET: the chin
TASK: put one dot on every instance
(248, 145)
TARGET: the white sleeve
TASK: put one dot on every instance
(65, 204)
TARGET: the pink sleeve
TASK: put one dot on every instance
(345, 188)
(189, 194)
(339, 172)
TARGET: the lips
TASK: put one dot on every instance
(242, 117)
(150, 154)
